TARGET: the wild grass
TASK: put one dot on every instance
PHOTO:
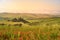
(43, 29)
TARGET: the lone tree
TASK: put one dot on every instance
(20, 20)
(14, 20)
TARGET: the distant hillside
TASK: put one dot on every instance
(25, 15)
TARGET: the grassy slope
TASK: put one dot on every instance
(46, 29)
(26, 15)
(40, 31)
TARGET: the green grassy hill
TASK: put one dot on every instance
(42, 27)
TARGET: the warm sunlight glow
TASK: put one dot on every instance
(30, 6)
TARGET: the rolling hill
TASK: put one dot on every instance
(26, 15)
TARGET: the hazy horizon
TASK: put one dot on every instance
(30, 6)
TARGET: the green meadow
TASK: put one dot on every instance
(37, 28)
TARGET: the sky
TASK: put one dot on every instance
(30, 6)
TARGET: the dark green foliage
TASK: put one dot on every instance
(20, 20)
(14, 20)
